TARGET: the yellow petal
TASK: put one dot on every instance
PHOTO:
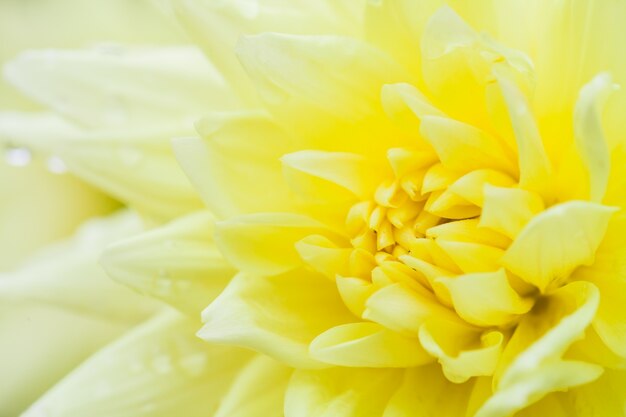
(485, 299)
(425, 392)
(471, 186)
(534, 165)
(367, 345)
(277, 315)
(159, 369)
(340, 392)
(462, 350)
(454, 141)
(590, 140)
(354, 292)
(557, 241)
(403, 310)
(610, 321)
(324, 256)
(406, 105)
(350, 171)
(177, 263)
(264, 243)
(603, 397)
(532, 364)
(234, 148)
(472, 257)
(507, 210)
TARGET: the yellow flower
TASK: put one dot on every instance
(417, 208)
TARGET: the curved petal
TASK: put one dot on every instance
(425, 392)
(367, 345)
(158, 369)
(265, 243)
(258, 389)
(277, 315)
(557, 241)
(532, 364)
(177, 263)
(60, 299)
(132, 163)
(340, 392)
(234, 148)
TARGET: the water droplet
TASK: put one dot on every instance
(56, 165)
(163, 285)
(115, 111)
(194, 364)
(130, 156)
(162, 364)
(18, 157)
(183, 285)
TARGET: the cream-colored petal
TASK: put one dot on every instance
(60, 298)
(367, 345)
(590, 141)
(132, 163)
(557, 241)
(235, 165)
(277, 315)
(217, 25)
(258, 389)
(532, 364)
(24, 190)
(177, 263)
(265, 243)
(425, 392)
(121, 86)
(158, 369)
(340, 392)
(66, 275)
(485, 299)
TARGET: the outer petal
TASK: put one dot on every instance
(24, 190)
(235, 166)
(120, 86)
(177, 263)
(259, 389)
(533, 366)
(265, 243)
(557, 241)
(368, 345)
(158, 369)
(340, 392)
(277, 315)
(60, 299)
(425, 392)
(324, 90)
(217, 25)
(134, 164)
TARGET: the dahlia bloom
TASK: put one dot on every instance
(411, 208)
